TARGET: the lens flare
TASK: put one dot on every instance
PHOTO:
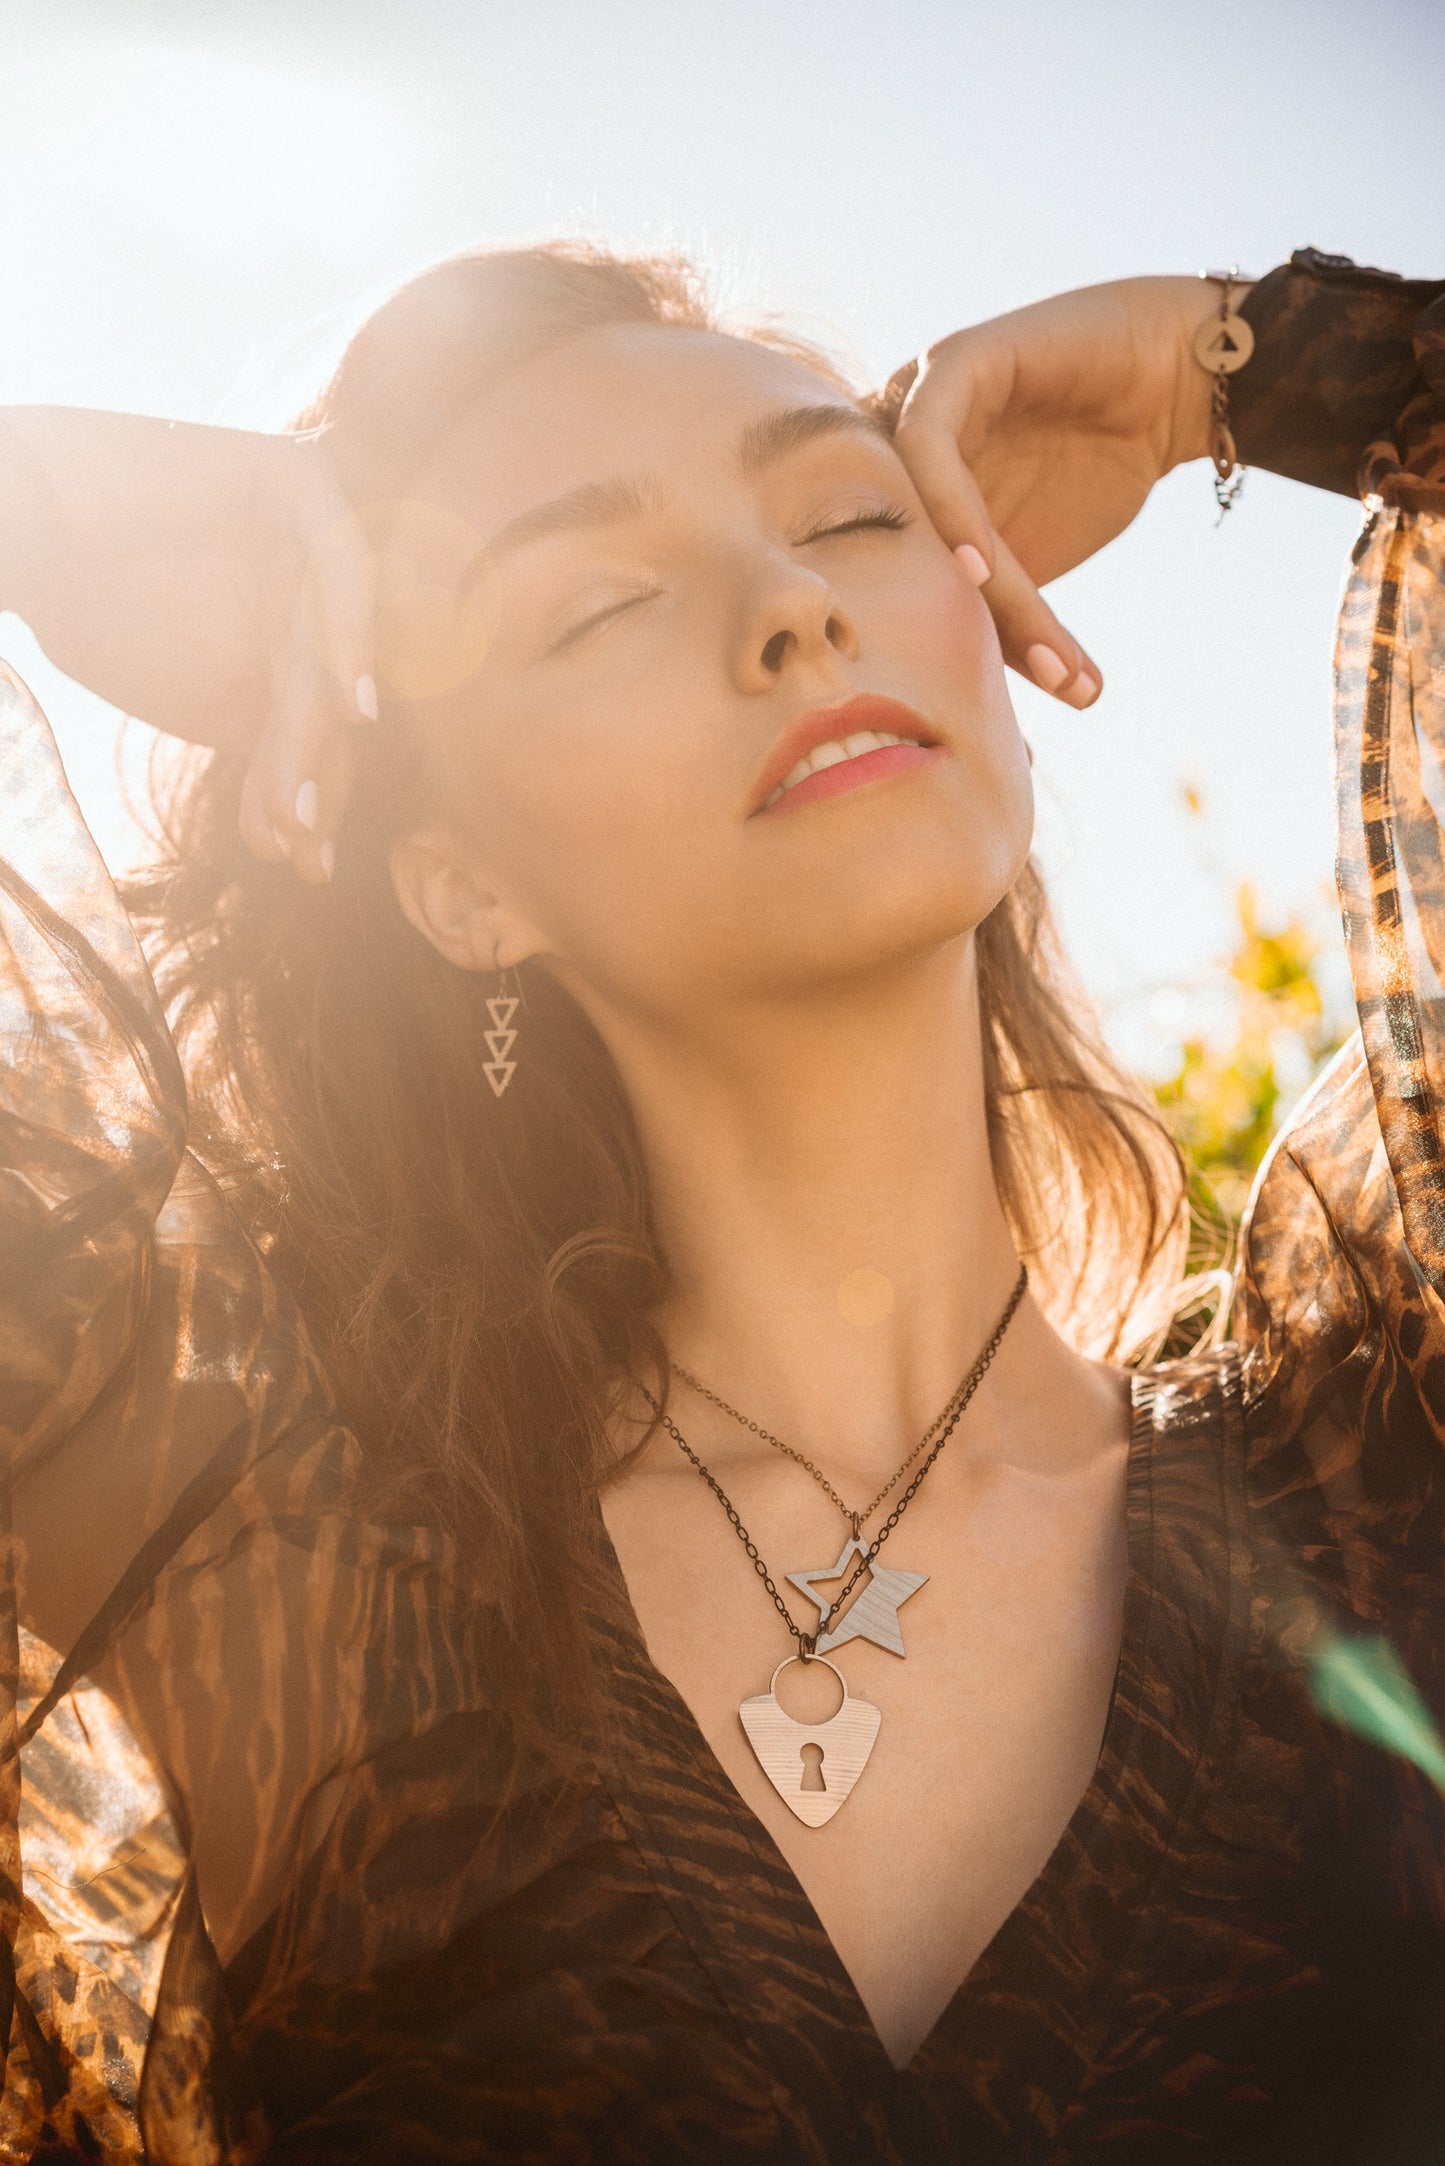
(1362, 1684)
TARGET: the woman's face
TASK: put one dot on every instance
(702, 567)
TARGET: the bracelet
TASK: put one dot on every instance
(1222, 344)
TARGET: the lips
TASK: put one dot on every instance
(832, 749)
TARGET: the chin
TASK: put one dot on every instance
(935, 877)
(919, 905)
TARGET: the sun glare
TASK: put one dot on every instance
(163, 205)
(220, 149)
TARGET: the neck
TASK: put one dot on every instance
(825, 1200)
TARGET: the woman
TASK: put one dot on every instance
(595, 1280)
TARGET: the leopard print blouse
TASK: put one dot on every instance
(1237, 1950)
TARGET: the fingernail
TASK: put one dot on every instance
(1086, 688)
(366, 699)
(974, 562)
(306, 806)
(1045, 667)
(326, 858)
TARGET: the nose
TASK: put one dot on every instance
(792, 620)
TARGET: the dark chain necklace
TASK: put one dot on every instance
(789, 1451)
(814, 1766)
(941, 1431)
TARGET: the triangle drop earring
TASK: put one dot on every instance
(501, 1007)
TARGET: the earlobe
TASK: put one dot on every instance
(452, 903)
(444, 902)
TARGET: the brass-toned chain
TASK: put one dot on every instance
(777, 1443)
(857, 1519)
(953, 1414)
(807, 1641)
(1223, 345)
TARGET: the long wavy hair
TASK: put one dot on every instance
(480, 1272)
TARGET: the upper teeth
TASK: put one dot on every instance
(828, 755)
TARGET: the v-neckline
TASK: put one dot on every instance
(1185, 1542)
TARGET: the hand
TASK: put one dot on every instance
(214, 582)
(1034, 439)
(322, 683)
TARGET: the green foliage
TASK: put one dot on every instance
(1227, 1095)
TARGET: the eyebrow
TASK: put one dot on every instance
(776, 435)
(595, 503)
(606, 503)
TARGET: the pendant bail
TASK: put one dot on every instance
(838, 1748)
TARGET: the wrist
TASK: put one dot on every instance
(29, 519)
(1198, 305)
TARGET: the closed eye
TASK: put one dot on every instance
(594, 623)
(888, 518)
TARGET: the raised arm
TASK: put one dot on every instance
(213, 582)
(1036, 437)
(1347, 382)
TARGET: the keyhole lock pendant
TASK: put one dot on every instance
(845, 1741)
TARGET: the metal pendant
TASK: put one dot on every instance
(874, 1613)
(1223, 343)
(813, 1766)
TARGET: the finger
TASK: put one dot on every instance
(340, 592)
(950, 494)
(300, 773)
(966, 383)
(1034, 642)
(324, 797)
(257, 833)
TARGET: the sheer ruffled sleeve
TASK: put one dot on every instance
(1344, 1256)
(208, 1656)
(1345, 386)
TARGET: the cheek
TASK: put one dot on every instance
(952, 634)
(588, 812)
(940, 627)
(941, 623)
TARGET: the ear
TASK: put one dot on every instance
(453, 905)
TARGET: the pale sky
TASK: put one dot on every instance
(197, 201)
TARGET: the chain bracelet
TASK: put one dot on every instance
(1222, 345)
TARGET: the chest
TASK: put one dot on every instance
(989, 1725)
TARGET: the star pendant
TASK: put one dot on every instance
(874, 1612)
